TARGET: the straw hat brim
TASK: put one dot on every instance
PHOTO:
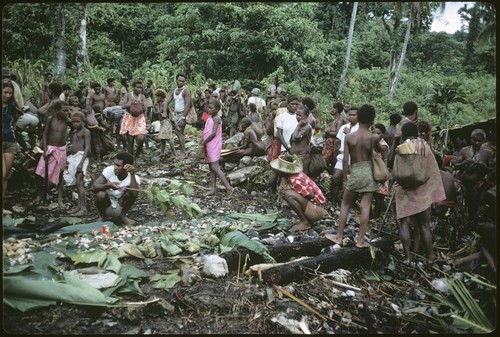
(281, 165)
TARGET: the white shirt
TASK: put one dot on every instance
(341, 135)
(114, 195)
(286, 122)
(179, 101)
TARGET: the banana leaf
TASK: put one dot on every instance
(24, 294)
(238, 239)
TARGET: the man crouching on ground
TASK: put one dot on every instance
(116, 189)
(303, 195)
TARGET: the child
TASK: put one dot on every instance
(166, 129)
(78, 161)
(301, 138)
(212, 140)
(359, 146)
(92, 124)
(52, 162)
(383, 190)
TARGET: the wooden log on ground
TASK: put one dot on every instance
(342, 258)
(281, 253)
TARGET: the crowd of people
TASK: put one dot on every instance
(70, 128)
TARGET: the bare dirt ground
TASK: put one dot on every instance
(237, 304)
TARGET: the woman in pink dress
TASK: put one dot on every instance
(212, 140)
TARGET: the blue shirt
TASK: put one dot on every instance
(9, 112)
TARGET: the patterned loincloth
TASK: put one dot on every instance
(133, 125)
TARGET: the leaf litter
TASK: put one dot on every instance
(158, 285)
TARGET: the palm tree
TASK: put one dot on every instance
(82, 50)
(415, 11)
(59, 39)
(348, 50)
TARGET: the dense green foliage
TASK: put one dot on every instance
(303, 43)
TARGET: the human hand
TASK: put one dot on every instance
(129, 168)
(113, 186)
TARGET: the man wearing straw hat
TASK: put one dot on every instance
(304, 196)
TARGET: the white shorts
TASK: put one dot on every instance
(338, 163)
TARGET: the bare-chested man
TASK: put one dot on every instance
(109, 93)
(54, 151)
(96, 98)
(359, 148)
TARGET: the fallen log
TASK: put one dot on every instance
(342, 258)
(281, 253)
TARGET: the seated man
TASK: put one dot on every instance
(249, 144)
(28, 122)
(116, 189)
(303, 195)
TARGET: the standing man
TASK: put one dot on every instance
(285, 126)
(357, 162)
(390, 131)
(182, 103)
(110, 92)
(45, 89)
(410, 113)
(338, 176)
(116, 189)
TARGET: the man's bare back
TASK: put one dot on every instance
(361, 144)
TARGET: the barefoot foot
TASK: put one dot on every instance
(74, 210)
(80, 212)
(363, 244)
(334, 238)
(230, 192)
(210, 193)
(127, 221)
(303, 226)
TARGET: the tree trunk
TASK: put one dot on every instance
(280, 253)
(60, 52)
(343, 258)
(82, 51)
(397, 73)
(348, 50)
